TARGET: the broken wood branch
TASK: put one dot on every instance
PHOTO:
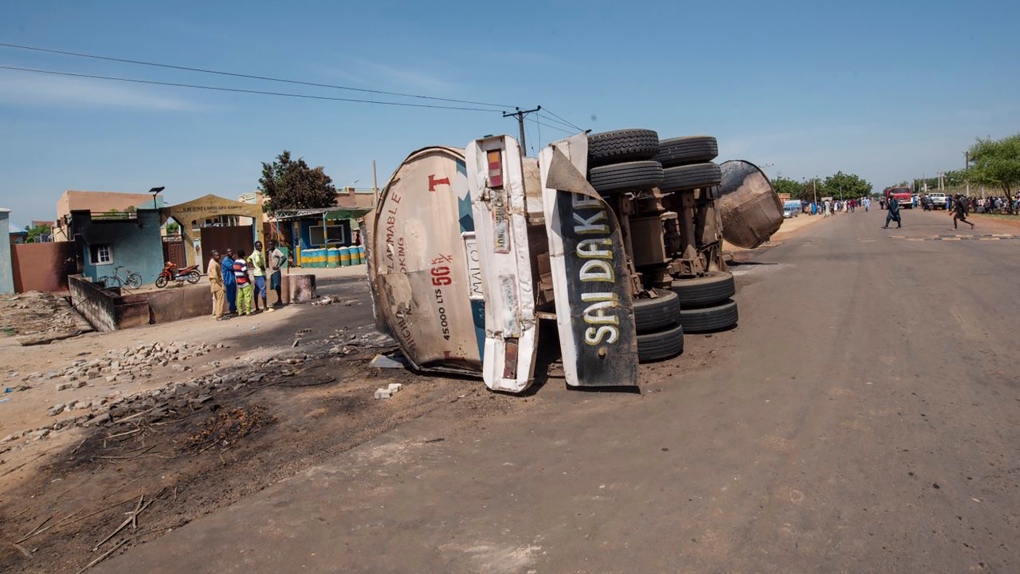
(105, 554)
(33, 531)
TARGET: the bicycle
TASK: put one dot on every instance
(130, 279)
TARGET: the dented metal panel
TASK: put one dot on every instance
(594, 307)
(497, 185)
(424, 269)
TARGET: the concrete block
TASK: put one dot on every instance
(382, 393)
(394, 387)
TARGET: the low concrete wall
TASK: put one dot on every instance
(96, 305)
(109, 310)
(175, 303)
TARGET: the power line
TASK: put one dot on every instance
(555, 127)
(548, 111)
(538, 127)
(243, 91)
(247, 76)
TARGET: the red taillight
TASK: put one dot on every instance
(495, 158)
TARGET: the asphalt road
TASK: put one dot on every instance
(863, 417)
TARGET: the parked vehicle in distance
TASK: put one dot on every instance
(792, 208)
(128, 278)
(171, 272)
(902, 194)
(938, 200)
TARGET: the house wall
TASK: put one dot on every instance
(6, 270)
(137, 244)
(42, 266)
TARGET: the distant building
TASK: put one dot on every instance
(98, 202)
(18, 234)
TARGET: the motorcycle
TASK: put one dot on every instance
(170, 273)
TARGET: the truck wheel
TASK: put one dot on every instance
(688, 177)
(623, 177)
(661, 345)
(621, 145)
(708, 319)
(704, 291)
(685, 150)
(654, 314)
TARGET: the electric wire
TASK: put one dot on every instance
(246, 76)
(555, 121)
(538, 127)
(555, 127)
(561, 119)
(244, 91)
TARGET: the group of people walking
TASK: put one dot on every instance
(238, 283)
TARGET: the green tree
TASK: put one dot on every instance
(786, 185)
(997, 163)
(291, 184)
(36, 232)
(172, 228)
(846, 186)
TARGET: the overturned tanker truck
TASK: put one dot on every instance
(616, 237)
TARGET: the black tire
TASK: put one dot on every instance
(662, 345)
(193, 277)
(688, 177)
(621, 145)
(704, 291)
(134, 281)
(687, 150)
(709, 319)
(161, 281)
(654, 314)
(624, 177)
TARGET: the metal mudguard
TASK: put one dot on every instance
(594, 306)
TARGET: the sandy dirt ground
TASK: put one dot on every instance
(263, 398)
(270, 395)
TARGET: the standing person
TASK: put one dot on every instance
(960, 212)
(229, 279)
(276, 259)
(219, 290)
(894, 212)
(244, 289)
(257, 263)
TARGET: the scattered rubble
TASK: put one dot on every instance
(37, 318)
(388, 391)
(185, 396)
(119, 365)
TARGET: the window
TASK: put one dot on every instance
(101, 254)
(335, 234)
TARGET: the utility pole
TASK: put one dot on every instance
(519, 114)
(375, 187)
(966, 168)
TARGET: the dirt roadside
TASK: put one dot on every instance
(227, 409)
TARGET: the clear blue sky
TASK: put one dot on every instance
(886, 90)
